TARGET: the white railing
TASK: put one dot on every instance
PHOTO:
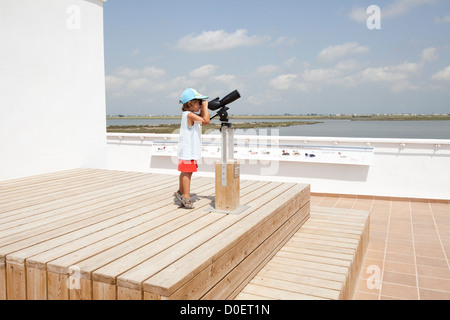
(412, 168)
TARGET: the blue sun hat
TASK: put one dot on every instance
(191, 94)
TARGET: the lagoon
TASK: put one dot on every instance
(332, 128)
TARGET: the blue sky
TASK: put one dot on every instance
(286, 56)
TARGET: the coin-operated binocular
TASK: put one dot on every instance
(227, 169)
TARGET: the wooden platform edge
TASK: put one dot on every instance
(248, 254)
(358, 259)
(312, 248)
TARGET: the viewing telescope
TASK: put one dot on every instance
(221, 105)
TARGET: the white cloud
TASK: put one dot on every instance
(203, 71)
(443, 75)
(445, 19)
(400, 7)
(396, 77)
(358, 14)
(290, 62)
(219, 40)
(350, 74)
(284, 81)
(114, 82)
(342, 50)
(320, 75)
(429, 54)
(284, 41)
(230, 81)
(395, 9)
(267, 69)
(152, 72)
(264, 97)
(135, 52)
(125, 81)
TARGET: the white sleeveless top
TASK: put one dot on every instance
(190, 141)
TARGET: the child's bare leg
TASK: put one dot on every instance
(185, 184)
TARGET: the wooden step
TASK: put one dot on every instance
(321, 261)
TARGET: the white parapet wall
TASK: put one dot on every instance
(52, 83)
(357, 166)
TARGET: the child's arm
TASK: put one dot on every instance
(203, 118)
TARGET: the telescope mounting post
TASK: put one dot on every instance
(227, 173)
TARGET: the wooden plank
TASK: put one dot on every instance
(110, 272)
(15, 274)
(169, 280)
(93, 257)
(50, 239)
(255, 261)
(309, 290)
(57, 191)
(277, 294)
(36, 284)
(254, 201)
(68, 215)
(2, 281)
(89, 193)
(135, 231)
(136, 276)
(304, 271)
(323, 263)
(6, 185)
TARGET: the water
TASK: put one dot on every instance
(335, 128)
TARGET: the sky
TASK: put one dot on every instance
(284, 57)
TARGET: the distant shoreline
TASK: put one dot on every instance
(312, 117)
(289, 121)
(170, 128)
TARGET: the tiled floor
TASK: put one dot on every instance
(409, 250)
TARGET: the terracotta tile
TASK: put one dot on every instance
(434, 283)
(399, 291)
(377, 233)
(328, 202)
(395, 226)
(399, 248)
(403, 232)
(368, 286)
(430, 252)
(399, 267)
(401, 258)
(374, 255)
(376, 246)
(364, 296)
(426, 261)
(400, 236)
(400, 278)
(427, 239)
(369, 269)
(363, 204)
(427, 294)
(389, 298)
(345, 203)
(428, 271)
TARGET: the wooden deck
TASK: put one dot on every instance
(96, 234)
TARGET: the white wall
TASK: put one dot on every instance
(400, 167)
(52, 100)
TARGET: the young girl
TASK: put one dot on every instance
(190, 145)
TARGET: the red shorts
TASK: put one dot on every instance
(187, 166)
